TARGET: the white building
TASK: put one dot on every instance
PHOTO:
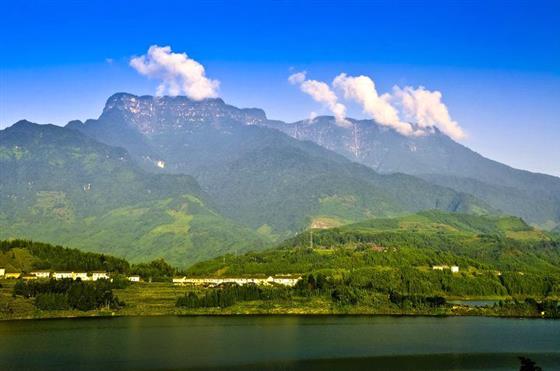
(286, 280)
(134, 278)
(439, 267)
(81, 275)
(41, 274)
(63, 275)
(99, 276)
(2, 272)
(453, 268)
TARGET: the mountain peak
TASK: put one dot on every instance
(151, 114)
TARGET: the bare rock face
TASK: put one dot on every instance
(153, 115)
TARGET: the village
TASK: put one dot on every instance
(285, 280)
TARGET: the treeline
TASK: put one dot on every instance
(62, 258)
(412, 281)
(228, 295)
(51, 257)
(69, 294)
(545, 308)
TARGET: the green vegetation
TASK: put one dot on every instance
(228, 295)
(69, 294)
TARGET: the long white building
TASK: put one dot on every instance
(209, 281)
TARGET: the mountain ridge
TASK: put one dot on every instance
(209, 146)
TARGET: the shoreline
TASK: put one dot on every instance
(103, 315)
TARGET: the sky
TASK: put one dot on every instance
(495, 63)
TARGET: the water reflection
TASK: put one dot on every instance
(278, 343)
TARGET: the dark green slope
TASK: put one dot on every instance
(440, 160)
(60, 186)
(260, 176)
(479, 245)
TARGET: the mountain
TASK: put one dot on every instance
(479, 245)
(439, 160)
(257, 175)
(63, 187)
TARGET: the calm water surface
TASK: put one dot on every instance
(306, 343)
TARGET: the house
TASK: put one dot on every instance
(134, 278)
(28, 277)
(41, 274)
(99, 276)
(286, 280)
(453, 268)
(439, 267)
(12, 275)
(179, 280)
(83, 276)
(2, 272)
(63, 275)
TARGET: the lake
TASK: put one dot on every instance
(289, 342)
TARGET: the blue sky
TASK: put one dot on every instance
(497, 64)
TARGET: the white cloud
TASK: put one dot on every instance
(297, 78)
(361, 89)
(322, 93)
(177, 71)
(425, 109)
(409, 111)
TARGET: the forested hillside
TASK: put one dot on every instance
(495, 255)
(62, 187)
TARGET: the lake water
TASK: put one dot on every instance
(305, 343)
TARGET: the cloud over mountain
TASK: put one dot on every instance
(177, 72)
(322, 93)
(361, 89)
(409, 111)
(425, 108)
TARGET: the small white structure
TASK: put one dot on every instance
(134, 278)
(99, 276)
(453, 268)
(28, 277)
(160, 164)
(2, 272)
(439, 267)
(63, 275)
(286, 280)
(83, 276)
(41, 274)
